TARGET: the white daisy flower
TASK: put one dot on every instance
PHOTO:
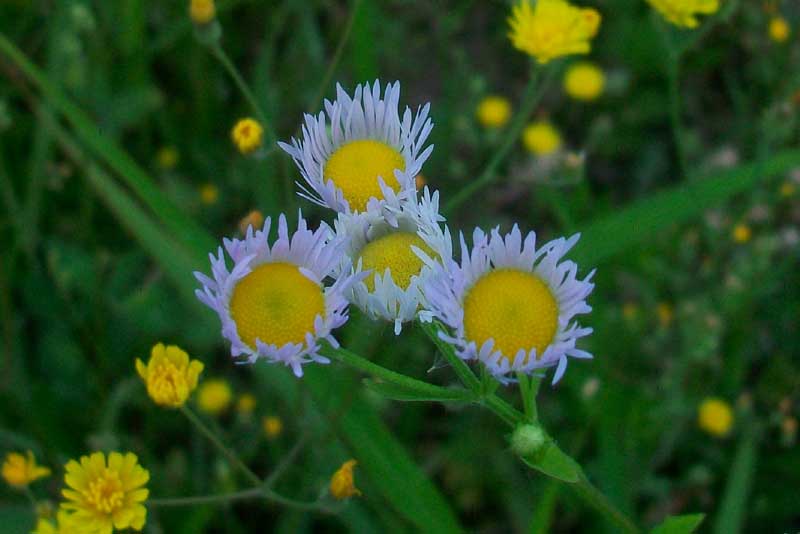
(358, 148)
(383, 244)
(511, 305)
(273, 303)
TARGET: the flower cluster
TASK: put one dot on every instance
(508, 303)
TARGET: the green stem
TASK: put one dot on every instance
(597, 500)
(222, 57)
(337, 56)
(229, 454)
(533, 94)
(252, 493)
(673, 77)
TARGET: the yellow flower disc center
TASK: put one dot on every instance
(166, 382)
(356, 166)
(277, 304)
(393, 251)
(514, 307)
(105, 493)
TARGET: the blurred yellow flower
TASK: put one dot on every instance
(630, 310)
(20, 470)
(779, 29)
(715, 417)
(552, 28)
(247, 135)
(209, 194)
(104, 496)
(493, 111)
(665, 313)
(342, 484)
(541, 138)
(684, 12)
(167, 157)
(420, 181)
(742, 233)
(202, 11)
(170, 376)
(255, 219)
(64, 524)
(584, 81)
(273, 426)
(246, 403)
(214, 396)
(787, 189)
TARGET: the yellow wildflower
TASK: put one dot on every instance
(214, 396)
(255, 219)
(202, 11)
(684, 12)
(742, 233)
(20, 470)
(167, 157)
(552, 28)
(104, 496)
(342, 484)
(209, 194)
(246, 403)
(273, 426)
(541, 138)
(715, 417)
(779, 29)
(665, 314)
(247, 135)
(584, 81)
(630, 310)
(170, 376)
(787, 189)
(64, 524)
(493, 111)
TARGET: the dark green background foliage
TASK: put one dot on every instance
(98, 245)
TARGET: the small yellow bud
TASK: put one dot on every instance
(665, 314)
(247, 135)
(214, 396)
(715, 417)
(246, 404)
(493, 111)
(255, 219)
(20, 470)
(630, 310)
(202, 11)
(342, 485)
(170, 376)
(779, 30)
(541, 138)
(742, 233)
(584, 81)
(209, 194)
(167, 157)
(273, 426)
(787, 189)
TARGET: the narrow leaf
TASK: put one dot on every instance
(679, 524)
(399, 392)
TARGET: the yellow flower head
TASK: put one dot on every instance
(64, 524)
(104, 496)
(20, 470)
(202, 11)
(167, 157)
(493, 111)
(552, 28)
(255, 219)
(779, 30)
(541, 138)
(170, 376)
(214, 396)
(742, 233)
(715, 417)
(684, 12)
(342, 485)
(246, 403)
(584, 81)
(273, 426)
(665, 314)
(787, 189)
(247, 135)
(209, 194)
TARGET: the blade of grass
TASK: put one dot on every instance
(731, 514)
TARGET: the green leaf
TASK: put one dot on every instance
(679, 524)
(731, 513)
(643, 219)
(399, 392)
(555, 463)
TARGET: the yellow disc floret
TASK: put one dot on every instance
(356, 166)
(393, 251)
(277, 304)
(515, 308)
